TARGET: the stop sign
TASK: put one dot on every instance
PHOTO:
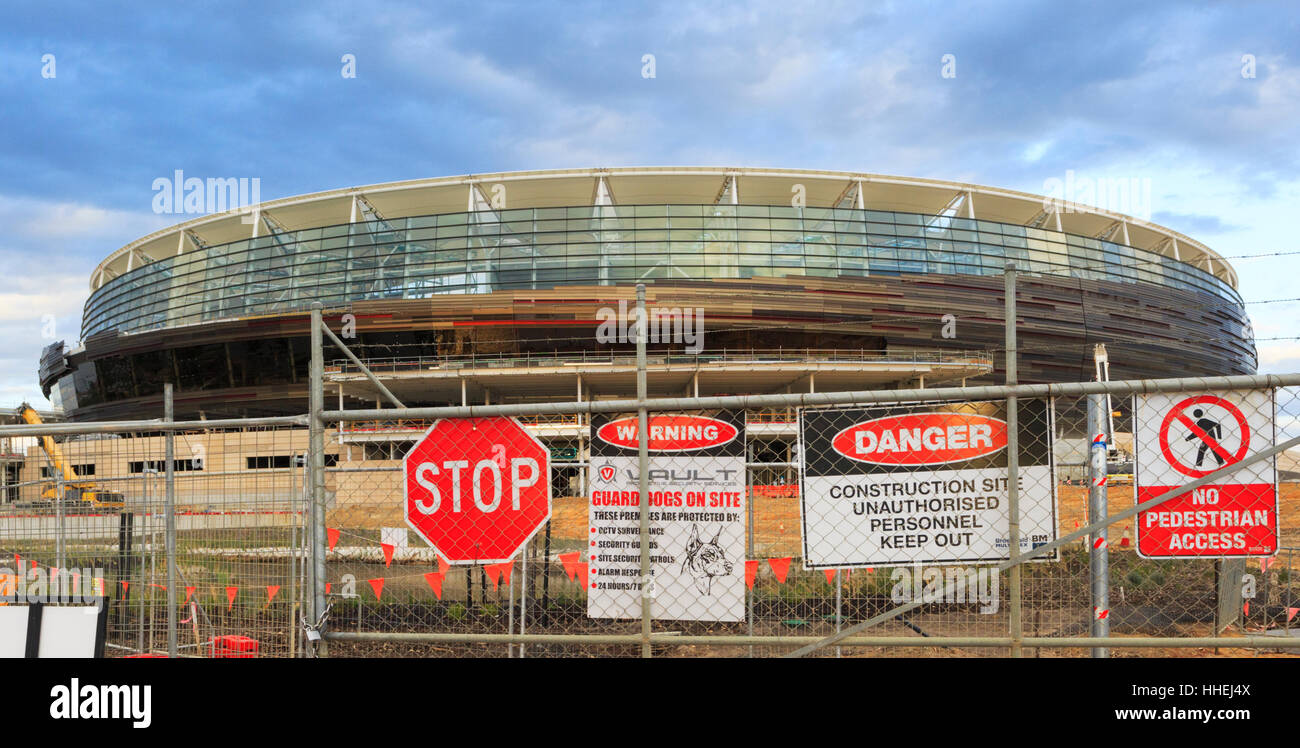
(477, 489)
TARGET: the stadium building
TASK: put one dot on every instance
(491, 288)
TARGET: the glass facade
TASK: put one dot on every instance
(468, 253)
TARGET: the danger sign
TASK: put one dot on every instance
(925, 484)
(1184, 436)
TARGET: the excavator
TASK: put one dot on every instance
(76, 493)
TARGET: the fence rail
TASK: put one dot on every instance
(397, 364)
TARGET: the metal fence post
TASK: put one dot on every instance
(749, 549)
(139, 582)
(1013, 465)
(643, 466)
(1099, 566)
(169, 515)
(60, 544)
(839, 608)
(316, 462)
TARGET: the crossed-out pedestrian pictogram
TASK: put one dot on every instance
(1210, 434)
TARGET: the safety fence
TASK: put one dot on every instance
(211, 550)
(747, 559)
(742, 551)
(1151, 517)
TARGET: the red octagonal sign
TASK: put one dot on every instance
(477, 489)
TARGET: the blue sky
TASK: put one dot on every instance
(254, 90)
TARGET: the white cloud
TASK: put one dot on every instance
(48, 251)
(1279, 357)
(50, 220)
(65, 296)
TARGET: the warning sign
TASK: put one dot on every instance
(921, 484)
(1184, 436)
(696, 520)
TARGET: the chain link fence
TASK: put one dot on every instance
(747, 559)
(875, 523)
(97, 532)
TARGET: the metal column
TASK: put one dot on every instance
(169, 515)
(643, 466)
(316, 470)
(1099, 568)
(1013, 466)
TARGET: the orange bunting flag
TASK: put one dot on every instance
(126, 588)
(751, 572)
(780, 567)
(189, 592)
(378, 586)
(830, 576)
(443, 566)
(1245, 607)
(1290, 613)
(570, 561)
(332, 533)
(33, 565)
(271, 591)
(1264, 564)
(582, 575)
(327, 587)
(230, 597)
(388, 553)
(434, 578)
(499, 573)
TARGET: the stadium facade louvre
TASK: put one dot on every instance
(516, 266)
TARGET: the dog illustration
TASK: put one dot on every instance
(705, 560)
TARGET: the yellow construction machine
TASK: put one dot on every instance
(76, 492)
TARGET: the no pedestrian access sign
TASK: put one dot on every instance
(1184, 436)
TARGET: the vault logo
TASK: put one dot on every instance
(75, 701)
(607, 472)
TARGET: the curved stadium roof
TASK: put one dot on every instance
(658, 185)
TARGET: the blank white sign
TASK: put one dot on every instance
(394, 536)
(13, 631)
(68, 631)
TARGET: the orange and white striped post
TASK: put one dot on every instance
(1099, 566)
